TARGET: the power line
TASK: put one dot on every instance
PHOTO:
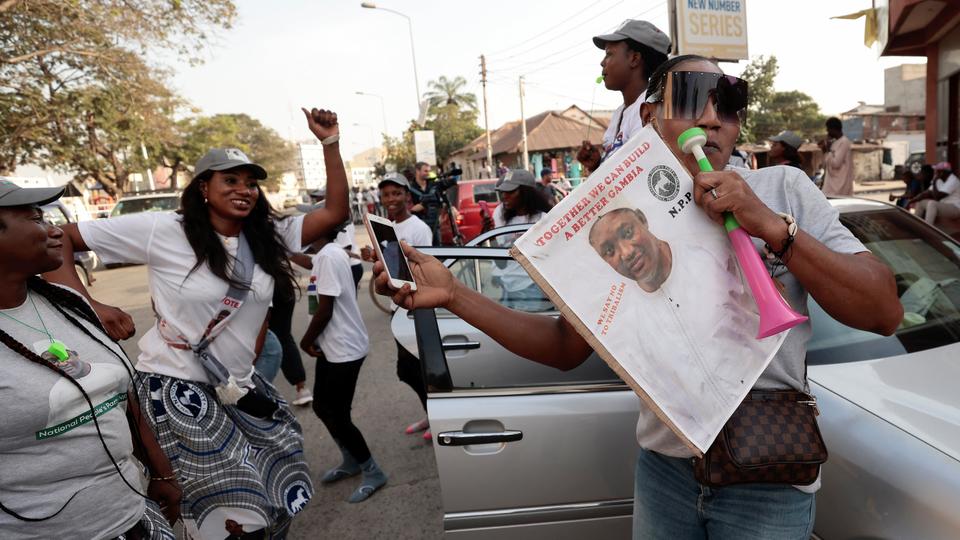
(561, 51)
(575, 44)
(548, 30)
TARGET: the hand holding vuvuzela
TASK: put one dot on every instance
(775, 314)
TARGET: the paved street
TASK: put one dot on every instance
(409, 506)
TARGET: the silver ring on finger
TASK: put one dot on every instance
(714, 193)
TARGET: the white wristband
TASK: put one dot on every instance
(330, 140)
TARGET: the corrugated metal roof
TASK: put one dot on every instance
(546, 131)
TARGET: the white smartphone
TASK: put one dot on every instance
(385, 241)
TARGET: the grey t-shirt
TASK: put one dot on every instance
(49, 448)
(788, 190)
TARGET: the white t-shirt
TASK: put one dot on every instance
(624, 123)
(49, 448)
(414, 231)
(345, 240)
(512, 276)
(187, 301)
(950, 186)
(345, 337)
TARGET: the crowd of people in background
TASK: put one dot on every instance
(199, 406)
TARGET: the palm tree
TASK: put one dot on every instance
(444, 91)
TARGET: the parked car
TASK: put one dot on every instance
(528, 451)
(466, 196)
(56, 213)
(153, 202)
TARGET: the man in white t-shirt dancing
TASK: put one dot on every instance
(632, 52)
(395, 197)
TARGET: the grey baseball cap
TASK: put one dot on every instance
(788, 138)
(221, 159)
(395, 178)
(14, 195)
(516, 178)
(642, 32)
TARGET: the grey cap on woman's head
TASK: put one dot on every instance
(222, 159)
(788, 138)
(516, 178)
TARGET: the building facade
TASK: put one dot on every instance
(929, 28)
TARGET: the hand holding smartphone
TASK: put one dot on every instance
(387, 245)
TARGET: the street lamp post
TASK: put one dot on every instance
(413, 53)
(383, 108)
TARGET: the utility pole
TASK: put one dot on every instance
(523, 128)
(486, 116)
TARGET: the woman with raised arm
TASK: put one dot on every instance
(819, 257)
(212, 268)
(67, 472)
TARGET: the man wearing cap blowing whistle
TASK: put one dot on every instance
(943, 197)
(632, 52)
(785, 149)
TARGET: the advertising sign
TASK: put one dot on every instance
(425, 146)
(711, 28)
(654, 286)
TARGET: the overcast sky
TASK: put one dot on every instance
(287, 53)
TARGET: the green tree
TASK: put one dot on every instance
(769, 112)
(75, 92)
(796, 111)
(453, 128)
(399, 152)
(444, 92)
(759, 74)
(261, 143)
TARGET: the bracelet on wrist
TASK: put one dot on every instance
(792, 229)
(163, 478)
(330, 140)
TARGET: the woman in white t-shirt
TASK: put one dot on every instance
(65, 471)
(520, 202)
(212, 268)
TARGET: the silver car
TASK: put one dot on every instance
(528, 451)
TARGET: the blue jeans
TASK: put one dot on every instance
(670, 504)
(268, 363)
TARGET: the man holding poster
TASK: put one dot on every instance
(821, 259)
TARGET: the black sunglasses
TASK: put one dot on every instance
(685, 94)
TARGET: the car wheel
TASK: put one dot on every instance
(915, 167)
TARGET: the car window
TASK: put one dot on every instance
(55, 216)
(150, 204)
(485, 192)
(502, 240)
(503, 280)
(926, 266)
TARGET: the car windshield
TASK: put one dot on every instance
(149, 204)
(926, 265)
(485, 192)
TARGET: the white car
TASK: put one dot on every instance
(153, 202)
(528, 451)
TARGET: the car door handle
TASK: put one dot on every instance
(459, 438)
(461, 345)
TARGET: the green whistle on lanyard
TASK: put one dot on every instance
(59, 350)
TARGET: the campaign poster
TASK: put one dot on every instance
(654, 286)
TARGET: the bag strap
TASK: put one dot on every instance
(241, 279)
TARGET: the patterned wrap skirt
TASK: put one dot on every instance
(239, 473)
